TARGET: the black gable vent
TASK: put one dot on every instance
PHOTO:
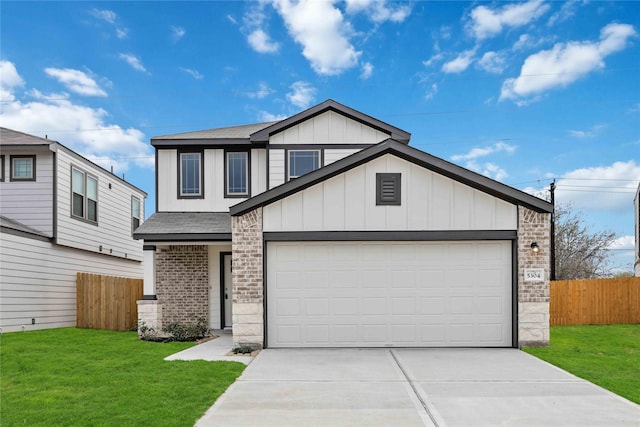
(388, 189)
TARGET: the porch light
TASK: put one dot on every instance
(535, 248)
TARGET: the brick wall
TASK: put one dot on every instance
(533, 297)
(182, 283)
(247, 259)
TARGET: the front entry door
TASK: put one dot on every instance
(227, 315)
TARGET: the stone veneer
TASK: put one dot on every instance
(182, 283)
(533, 297)
(247, 261)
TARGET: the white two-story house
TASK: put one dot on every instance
(326, 229)
(60, 214)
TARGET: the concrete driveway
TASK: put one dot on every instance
(413, 387)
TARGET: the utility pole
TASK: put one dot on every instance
(553, 231)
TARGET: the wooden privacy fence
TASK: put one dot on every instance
(595, 301)
(107, 302)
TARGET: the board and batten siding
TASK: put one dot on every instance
(113, 231)
(214, 182)
(38, 281)
(329, 128)
(429, 202)
(29, 202)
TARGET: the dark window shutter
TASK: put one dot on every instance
(388, 189)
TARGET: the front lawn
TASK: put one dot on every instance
(86, 377)
(605, 355)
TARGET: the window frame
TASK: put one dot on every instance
(200, 154)
(1, 167)
(288, 160)
(13, 157)
(85, 196)
(397, 196)
(227, 193)
(133, 217)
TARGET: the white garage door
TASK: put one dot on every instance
(383, 294)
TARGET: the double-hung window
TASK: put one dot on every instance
(302, 162)
(190, 165)
(135, 213)
(23, 168)
(237, 174)
(84, 195)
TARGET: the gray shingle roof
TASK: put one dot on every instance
(233, 132)
(8, 223)
(185, 226)
(13, 137)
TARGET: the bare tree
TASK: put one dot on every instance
(580, 253)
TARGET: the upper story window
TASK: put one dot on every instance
(1, 168)
(135, 213)
(302, 162)
(190, 171)
(23, 168)
(237, 174)
(84, 195)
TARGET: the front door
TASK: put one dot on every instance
(227, 315)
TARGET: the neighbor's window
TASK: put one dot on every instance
(23, 168)
(84, 195)
(237, 174)
(1, 168)
(190, 174)
(302, 162)
(135, 213)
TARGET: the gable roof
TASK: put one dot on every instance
(259, 133)
(331, 105)
(14, 137)
(401, 150)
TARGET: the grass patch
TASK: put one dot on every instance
(605, 355)
(86, 377)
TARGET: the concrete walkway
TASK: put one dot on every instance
(216, 349)
(413, 387)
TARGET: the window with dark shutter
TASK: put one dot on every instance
(388, 189)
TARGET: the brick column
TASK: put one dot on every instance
(533, 295)
(247, 279)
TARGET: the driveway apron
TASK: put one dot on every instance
(413, 387)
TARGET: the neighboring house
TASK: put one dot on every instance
(326, 229)
(637, 216)
(60, 214)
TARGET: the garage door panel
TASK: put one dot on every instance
(359, 294)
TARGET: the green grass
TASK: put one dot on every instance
(85, 377)
(605, 355)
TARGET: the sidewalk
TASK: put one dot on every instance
(215, 349)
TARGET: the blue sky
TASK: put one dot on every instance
(522, 92)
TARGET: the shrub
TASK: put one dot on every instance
(187, 331)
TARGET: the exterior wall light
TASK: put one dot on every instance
(535, 248)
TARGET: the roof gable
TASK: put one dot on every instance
(390, 146)
(263, 135)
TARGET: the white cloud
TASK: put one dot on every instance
(567, 10)
(435, 58)
(379, 11)
(76, 81)
(565, 63)
(261, 42)
(367, 70)
(603, 188)
(9, 79)
(486, 22)
(492, 62)
(624, 243)
(265, 116)
(460, 63)
(231, 19)
(122, 33)
(262, 92)
(323, 33)
(302, 94)
(110, 17)
(478, 152)
(83, 129)
(590, 133)
(177, 33)
(192, 72)
(433, 91)
(133, 61)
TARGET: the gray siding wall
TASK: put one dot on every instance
(113, 231)
(38, 280)
(29, 202)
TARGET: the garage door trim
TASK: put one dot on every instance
(444, 236)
